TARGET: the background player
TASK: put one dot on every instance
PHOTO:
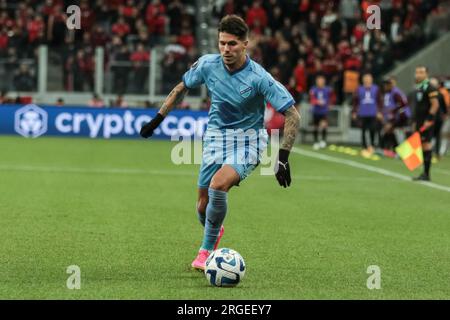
(396, 113)
(367, 107)
(238, 88)
(320, 97)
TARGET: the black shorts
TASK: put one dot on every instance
(319, 117)
(369, 123)
(427, 135)
(400, 121)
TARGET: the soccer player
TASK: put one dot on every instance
(238, 89)
(426, 107)
(396, 112)
(320, 97)
(367, 106)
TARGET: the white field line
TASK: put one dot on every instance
(56, 169)
(366, 167)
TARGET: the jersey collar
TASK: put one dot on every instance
(247, 61)
(423, 84)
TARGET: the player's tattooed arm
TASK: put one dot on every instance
(291, 125)
(173, 99)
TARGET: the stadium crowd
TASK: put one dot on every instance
(294, 40)
(127, 29)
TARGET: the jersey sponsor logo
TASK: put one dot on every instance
(30, 121)
(419, 95)
(387, 98)
(245, 91)
(367, 98)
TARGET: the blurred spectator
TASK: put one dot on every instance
(96, 101)
(119, 70)
(4, 97)
(156, 20)
(174, 66)
(83, 71)
(149, 105)
(99, 38)
(140, 59)
(174, 11)
(24, 79)
(183, 105)
(186, 39)
(226, 7)
(121, 28)
(349, 11)
(119, 102)
(300, 76)
(256, 17)
(56, 25)
(60, 102)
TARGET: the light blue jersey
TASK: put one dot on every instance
(237, 98)
(238, 102)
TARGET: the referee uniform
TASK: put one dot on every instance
(423, 96)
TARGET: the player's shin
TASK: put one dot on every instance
(215, 215)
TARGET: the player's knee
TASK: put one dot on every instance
(219, 183)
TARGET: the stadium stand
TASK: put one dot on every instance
(294, 40)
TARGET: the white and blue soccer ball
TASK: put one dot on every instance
(224, 268)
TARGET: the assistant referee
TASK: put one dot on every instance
(426, 106)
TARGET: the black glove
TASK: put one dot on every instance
(148, 128)
(283, 173)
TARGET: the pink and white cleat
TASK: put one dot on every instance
(199, 262)
(222, 230)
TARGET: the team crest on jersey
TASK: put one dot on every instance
(245, 91)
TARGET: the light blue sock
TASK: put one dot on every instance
(201, 218)
(215, 214)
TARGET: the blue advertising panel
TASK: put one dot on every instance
(33, 121)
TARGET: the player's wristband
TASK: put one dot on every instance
(157, 119)
(283, 155)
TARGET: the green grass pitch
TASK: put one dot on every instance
(123, 213)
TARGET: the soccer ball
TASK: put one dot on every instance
(224, 268)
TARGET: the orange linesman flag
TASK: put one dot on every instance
(411, 151)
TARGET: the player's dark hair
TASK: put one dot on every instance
(234, 25)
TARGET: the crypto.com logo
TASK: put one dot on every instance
(30, 121)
